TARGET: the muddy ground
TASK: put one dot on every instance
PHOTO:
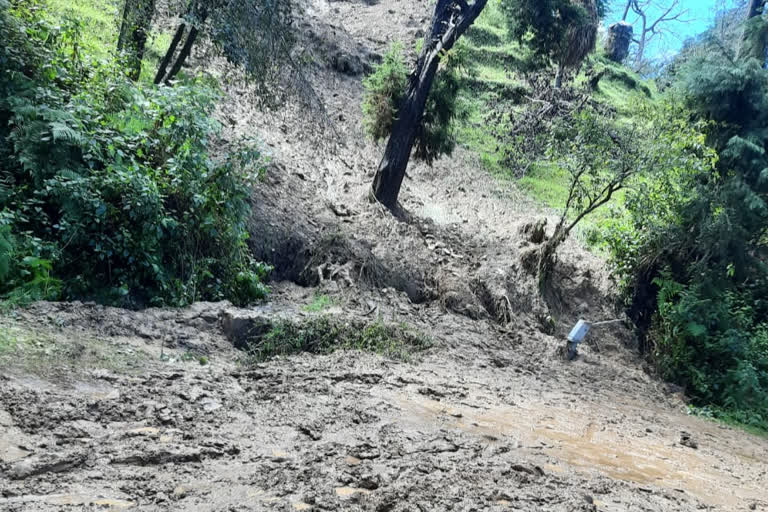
(482, 421)
(106, 409)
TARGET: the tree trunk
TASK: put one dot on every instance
(389, 177)
(185, 51)
(547, 256)
(641, 43)
(451, 19)
(199, 12)
(755, 8)
(746, 49)
(163, 67)
(134, 30)
(559, 76)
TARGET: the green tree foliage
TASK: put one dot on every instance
(559, 31)
(108, 188)
(695, 254)
(384, 90)
(258, 37)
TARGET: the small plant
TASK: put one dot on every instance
(319, 303)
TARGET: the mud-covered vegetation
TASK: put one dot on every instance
(324, 334)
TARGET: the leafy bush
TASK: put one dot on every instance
(108, 186)
(693, 252)
(384, 90)
(716, 346)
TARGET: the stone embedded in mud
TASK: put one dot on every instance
(687, 440)
(365, 451)
(180, 455)
(41, 464)
(240, 326)
(528, 469)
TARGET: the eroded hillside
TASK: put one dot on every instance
(161, 409)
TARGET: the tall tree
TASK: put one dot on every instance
(450, 21)
(134, 29)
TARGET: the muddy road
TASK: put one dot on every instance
(93, 418)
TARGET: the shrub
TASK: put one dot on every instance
(323, 335)
(108, 186)
(384, 90)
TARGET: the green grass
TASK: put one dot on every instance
(44, 352)
(99, 20)
(725, 417)
(318, 304)
(100, 25)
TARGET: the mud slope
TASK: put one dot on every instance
(507, 428)
(104, 409)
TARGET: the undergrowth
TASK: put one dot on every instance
(108, 190)
(324, 335)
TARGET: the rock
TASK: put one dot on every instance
(687, 440)
(181, 492)
(369, 482)
(241, 326)
(619, 39)
(39, 465)
(528, 469)
(347, 64)
(210, 405)
(151, 458)
(312, 430)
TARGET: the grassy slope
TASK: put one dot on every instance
(495, 80)
(100, 24)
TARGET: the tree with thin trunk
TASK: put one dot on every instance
(651, 28)
(256, 36)
(134, 30)
(450, 21)
(196, 17)
(601, 157)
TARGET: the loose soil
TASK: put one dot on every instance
(107, 409)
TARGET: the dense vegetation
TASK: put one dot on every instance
(107, 189)
(697, 243)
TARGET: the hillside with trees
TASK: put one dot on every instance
(305, 255)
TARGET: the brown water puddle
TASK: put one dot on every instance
(585, 441)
